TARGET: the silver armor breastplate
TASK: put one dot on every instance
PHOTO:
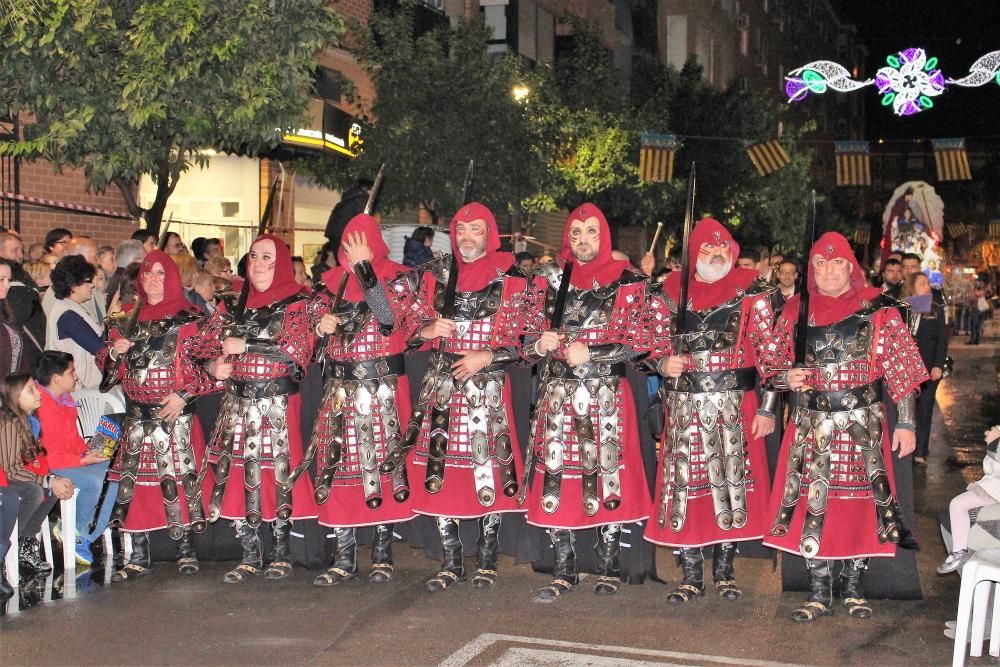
(263, 323)
(156, 344)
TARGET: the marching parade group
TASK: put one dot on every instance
(453, 454)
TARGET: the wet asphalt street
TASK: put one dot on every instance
(169, 619)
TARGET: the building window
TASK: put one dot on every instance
(500, 17)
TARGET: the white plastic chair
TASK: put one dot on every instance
(92, 405)
(979, 576)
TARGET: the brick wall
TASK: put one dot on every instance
(38, 179)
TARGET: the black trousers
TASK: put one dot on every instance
(925, 411)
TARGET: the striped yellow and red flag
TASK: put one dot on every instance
(656, 157)
(951, 159)
(853, 163)
(768, 156)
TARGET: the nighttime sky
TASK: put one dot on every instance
(957, 32)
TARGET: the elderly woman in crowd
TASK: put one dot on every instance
(71, 327)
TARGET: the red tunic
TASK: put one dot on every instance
(502, 329)
(346, 505)
(849, 529)
(295, 339)
(146, 509)
(701, 526)
(619, 324)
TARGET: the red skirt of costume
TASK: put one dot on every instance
(633, 489)
(700, 526)
(849, 530)
(146, 512)
(457, 498)
(345, 507)
(234, 500)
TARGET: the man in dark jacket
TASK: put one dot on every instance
(351, 203)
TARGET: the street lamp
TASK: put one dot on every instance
(520, 92)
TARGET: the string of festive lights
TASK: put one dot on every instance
(908, 82)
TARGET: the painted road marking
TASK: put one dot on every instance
(577, 653)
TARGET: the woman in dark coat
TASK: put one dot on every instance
(926, 323)
(417, 248)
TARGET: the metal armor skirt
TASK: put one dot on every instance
(156, 471)
(467, 461)
(588, 464)
(357, 423)
(834, 499)
(712, 483)
(255, 438)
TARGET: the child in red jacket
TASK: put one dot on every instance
(67, 453)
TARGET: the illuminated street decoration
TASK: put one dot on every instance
(908, 82)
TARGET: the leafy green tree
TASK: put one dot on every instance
(122, 88)
(440, 101)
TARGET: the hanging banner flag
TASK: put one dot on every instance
(951, 159)
(958, 229)
(853, 163)
(656, 157)
(768, 156)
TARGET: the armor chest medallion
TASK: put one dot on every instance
(473, 306)
(841, 342)
(715, 330)
(155, 344)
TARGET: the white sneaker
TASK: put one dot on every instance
(954, 561)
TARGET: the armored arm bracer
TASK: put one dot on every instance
(506, 355)
(768, 403)
(906, 408)
(375, 295)
(613, 353)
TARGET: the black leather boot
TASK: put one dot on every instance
(564, 575)
(345, 560)
(381, 571)
(452, 557)
(281, 561)
(608, 549)
(724, 572)
(30, 556)
(820, 600)
(486, 561)
(187, 559)
(140, 563)
(6, 590)
(692, 562)
(851, 590)
(252, 561)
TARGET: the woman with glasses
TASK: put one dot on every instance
(71, 327)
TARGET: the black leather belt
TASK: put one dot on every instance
(280, 386)
(151, 411)
(838, 401)
(490, 368)
(589, 371)
(362, 370)
(737, 379)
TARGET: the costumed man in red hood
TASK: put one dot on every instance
(262, 353)
(836, 496)
(467, 463)
(588, 466)
(712, 484)
(366, 399)
(162, 446)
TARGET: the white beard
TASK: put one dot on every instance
(711, 273)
